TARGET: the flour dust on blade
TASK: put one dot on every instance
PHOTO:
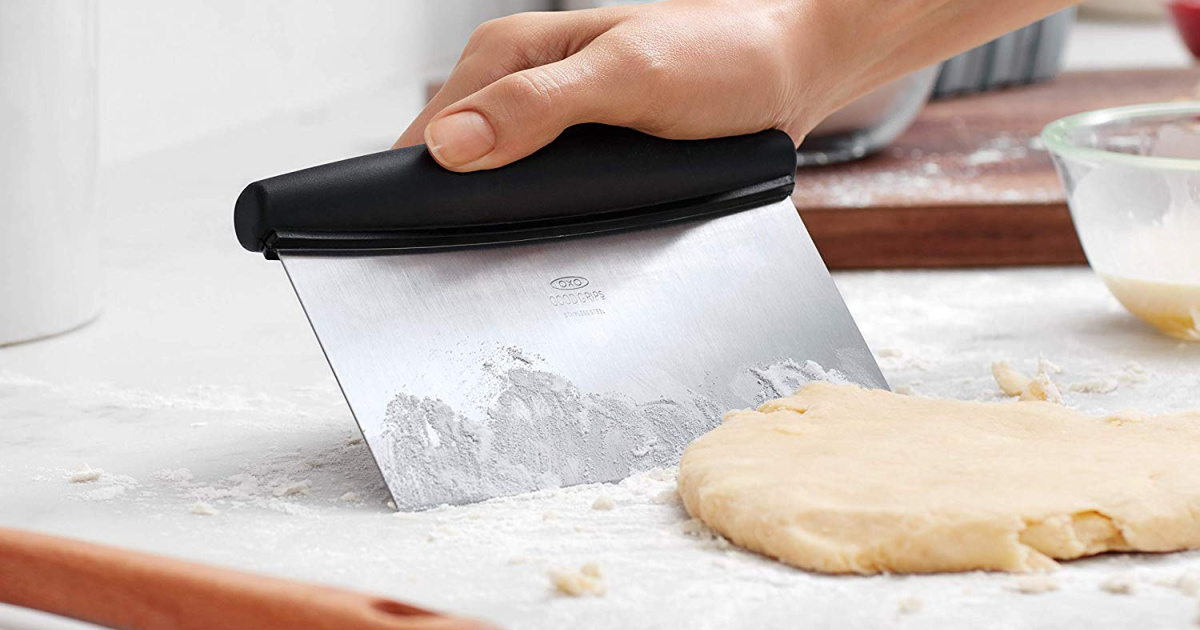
(575, 317)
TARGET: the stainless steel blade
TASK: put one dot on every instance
(489, 371)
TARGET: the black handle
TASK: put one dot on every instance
(592, 178)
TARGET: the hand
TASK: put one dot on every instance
(673, 69)
(689, 68)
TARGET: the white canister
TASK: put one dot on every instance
(49, 241)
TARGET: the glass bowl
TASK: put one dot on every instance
(1132, 176)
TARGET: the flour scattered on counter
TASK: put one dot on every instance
(101, 485)
(86, 474)
(294, 488)
(1133, 373)
(603, 503)
(667, 497)
(1118, 585)
(1046, 366)
(200, 508)
(708, 538)
(280, 479)
(1095, 386)
(1186, 583)
(174, 475)
(910, 605)
(586, 580)
(1036, 583)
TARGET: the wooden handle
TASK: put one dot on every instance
(137, 591)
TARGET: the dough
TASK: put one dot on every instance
(840, 479)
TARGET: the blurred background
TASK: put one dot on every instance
(173, 72)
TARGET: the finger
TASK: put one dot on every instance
(520, 113)
(466, 78)
(502, 47)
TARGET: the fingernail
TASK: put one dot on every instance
(460, 138)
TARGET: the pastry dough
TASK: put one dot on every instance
(840, 479)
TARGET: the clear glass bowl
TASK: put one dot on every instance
(1132, 176)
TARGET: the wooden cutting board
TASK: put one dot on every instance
(968, 184)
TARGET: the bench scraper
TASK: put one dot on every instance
(574, 317)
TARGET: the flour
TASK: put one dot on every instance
(910, 605)
(174, 475)
(86, 474)
(783, 378)
(603, 503)
(1095, 386)
(525, 427)
(1118, 585)
(101, 485)
(1036, 583)
(341, 472)
(1187, 584)
(200, 508)
(949, 178)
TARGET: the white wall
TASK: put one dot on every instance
(174, 71)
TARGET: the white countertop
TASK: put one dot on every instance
(202, 360)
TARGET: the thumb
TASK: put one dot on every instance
(514, 116)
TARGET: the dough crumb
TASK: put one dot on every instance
(1046, 366)
(1118, 585)
(200, 508)
(667, 497)
(586, 580)
(354, 441)
(1186, 583)
(885, 353)
(603, 503)
(1133, 373)
(910, 605)
(1011, 381)
(1095, 386)
(391, 504)
(1042, 388)
(663, 474)
(349, 497)
(1033, 584)
(294, 488)
(86, 474)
